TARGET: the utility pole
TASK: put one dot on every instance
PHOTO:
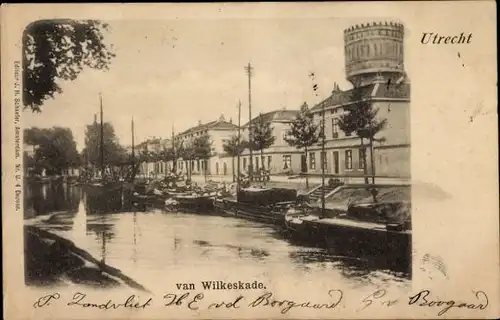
(133, 142)
(372, 159)
(239, 146)
(249, 71)
(102, 139)
(323, 160)
(174, 152)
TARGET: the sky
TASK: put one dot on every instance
(178, 72)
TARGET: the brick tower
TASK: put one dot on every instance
(374, 51)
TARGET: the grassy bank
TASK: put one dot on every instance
(52, 260)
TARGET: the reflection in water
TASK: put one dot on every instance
(53, 197)
(114, 233)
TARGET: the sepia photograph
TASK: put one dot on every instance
(148, 147)
(249, 161)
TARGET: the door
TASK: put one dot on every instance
(303, 163)
(335, 162)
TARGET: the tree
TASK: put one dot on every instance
(262, 136)
(114, 153)
(56, 149)
(59, 50)
(234, 147)
(202, 146)
(303, 132)
(188, 153)
(361, 118)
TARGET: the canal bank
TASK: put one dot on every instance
(51, 259)
(149, 244)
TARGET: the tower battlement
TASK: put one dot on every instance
(374, 49)
(362, 26)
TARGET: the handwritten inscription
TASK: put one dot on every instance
(192, 301)
(268, 300)
(45, 301)
(79, 300)
(378, 298)
(422, 299)
(333, 299)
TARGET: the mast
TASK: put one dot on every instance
(102, 139)
(133, 171)
(174, 161)
(249, 70)
(239, 145)
(133, 144)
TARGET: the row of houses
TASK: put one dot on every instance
(342, 152)
(371, 64)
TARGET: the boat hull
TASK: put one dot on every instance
(373, 243)
(251, 212)
(393, 247)
(202, 204)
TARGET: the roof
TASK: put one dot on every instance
(275, 116)
(374, 90)
(220, 124)
(340, 97)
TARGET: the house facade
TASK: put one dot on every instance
(280, 157)
(375, 66)
(219, 131)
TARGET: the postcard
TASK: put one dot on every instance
(250, 160)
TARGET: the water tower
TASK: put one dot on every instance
(374, 51)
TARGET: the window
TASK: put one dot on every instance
(287, 161)
(197, 165)
(335, 128)
(269, 162)
(244, 163)
(348, 159)
(323, 160)
(312, 160)
(257, 163)
(361, 159)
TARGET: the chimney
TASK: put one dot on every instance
(199, 122)
(336, 88)
(231, 120)
(222, 118)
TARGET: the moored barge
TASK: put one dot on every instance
(267, 205)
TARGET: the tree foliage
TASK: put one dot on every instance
(262, 135)
(202, 147)
(55, 149)
(361, 117)
(55, 50)
(233, 147)
(303, 131)
(114, 153)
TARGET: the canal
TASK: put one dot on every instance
(151, 244)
